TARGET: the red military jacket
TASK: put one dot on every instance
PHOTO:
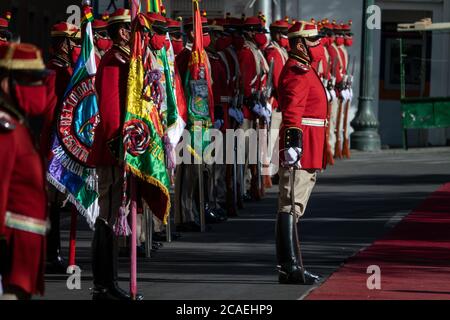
(111, 85)
(302, 98)
(182, 62)
(234, 88)
(60, 80)
(322, 66)
(220, 73)
(64, 71)
(343, 58)
(254, 69)
(279, 56)
(336, 60)
(23, 205)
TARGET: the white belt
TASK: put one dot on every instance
(312, 122)
(24, 223)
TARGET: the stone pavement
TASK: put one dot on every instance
(355, 202)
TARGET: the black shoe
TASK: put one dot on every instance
(287, 250)
(247, 197)
(104, 265)
(56, 266)
(113, 293)
(211, 216)
(157, 245)
(295, 275)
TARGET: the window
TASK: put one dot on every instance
(416, 48)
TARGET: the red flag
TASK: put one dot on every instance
(198, 64)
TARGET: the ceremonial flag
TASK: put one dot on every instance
(143, 128)
(198, 90)
(76, 123)
(153, 5)
(172, 110)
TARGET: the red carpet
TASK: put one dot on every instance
(414, 259)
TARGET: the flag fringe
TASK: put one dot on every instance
(61, 188)
(81, 210)
(84, 212)
(136, 172)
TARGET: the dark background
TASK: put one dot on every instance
(32, 19)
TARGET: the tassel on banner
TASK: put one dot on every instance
(121, 227)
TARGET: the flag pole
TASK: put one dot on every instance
(133, 271)
(73, 235)
(74, 211)
(135, 5)
(135, 8)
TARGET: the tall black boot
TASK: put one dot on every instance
(104, 265)
(55, 263)
(290, 271)
(310, 278)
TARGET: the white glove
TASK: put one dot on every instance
(269, 107)
(292, 157)
(350, 93)
(236, 114)
(258, 110)
(346, 94)
(329, 97)
(267, 115)
(333, 95)
(218, 124)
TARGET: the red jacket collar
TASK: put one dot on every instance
(299, 62)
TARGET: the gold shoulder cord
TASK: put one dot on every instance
(299, 59)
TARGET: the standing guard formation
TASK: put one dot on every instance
(124, 97)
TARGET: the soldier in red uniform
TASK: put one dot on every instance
(253, 80)
(111, 85)
(175, 34)
(187, 214)
(228, 45)
(332, 72)
(102, 41)
(347, 92)
(276, 52)
(23, 201)
(323, 66)
(341, 56)
(221, 78)
(303, 104)
(65, 52)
